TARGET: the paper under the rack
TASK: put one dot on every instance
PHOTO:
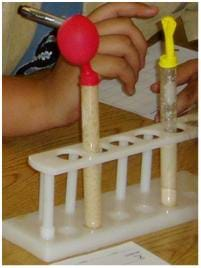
(125, 254)
(144, 102)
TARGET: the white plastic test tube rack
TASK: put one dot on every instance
(53, 233)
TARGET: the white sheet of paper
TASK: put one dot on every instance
(125, 254)
(143, 102)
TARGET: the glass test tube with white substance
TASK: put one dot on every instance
(168, 113)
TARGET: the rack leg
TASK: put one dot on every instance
(71, 189)
(47, 227)
(41, 191)
(146, 168)
(122, 175)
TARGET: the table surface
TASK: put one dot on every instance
(21, 183)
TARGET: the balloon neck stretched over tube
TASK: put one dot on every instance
(78, 41)
(169, 59)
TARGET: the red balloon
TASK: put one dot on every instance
(78, 40)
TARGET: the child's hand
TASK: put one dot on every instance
(123, 47)
(121, 55)
(186, 73)
(51, 98)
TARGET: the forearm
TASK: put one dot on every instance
(24, 105)
(38, 102)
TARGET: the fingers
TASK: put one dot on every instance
(121, 46)
(186, 72)
(187, 97)
(115, 67)
(155, 88)
(125, 27)
(157, 116)
(113, 10)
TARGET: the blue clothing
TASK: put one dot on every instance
(42, 52)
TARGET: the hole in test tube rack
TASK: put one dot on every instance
(69, 226)
(147, 202)
(142, 136)
(121, 142)
(106, 146)
(116, 143)
(119, 215)
(119, 211)
(179, 130)
(68, 230)
(155, 137)
(64, 156)
(145, 208)
(130, 143)
(68, 156)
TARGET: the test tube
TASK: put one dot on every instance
(168, 152)
(168, 114)
(92, 175)
(78, 41)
